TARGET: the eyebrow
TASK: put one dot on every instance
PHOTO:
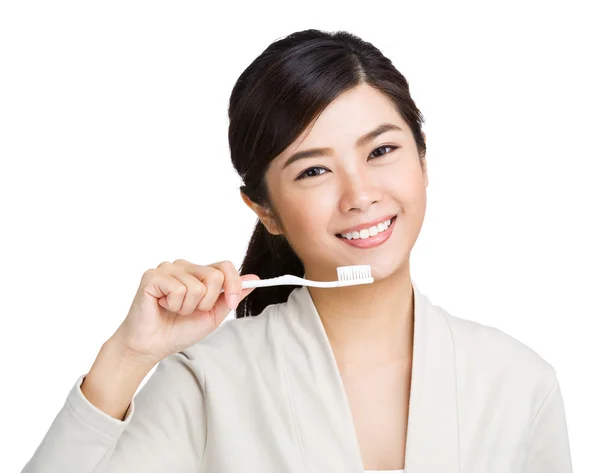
(363, 140)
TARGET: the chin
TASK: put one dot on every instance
(395, 260)
(386, 269)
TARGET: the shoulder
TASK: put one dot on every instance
(481, 348)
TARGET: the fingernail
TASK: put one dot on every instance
(233, 301)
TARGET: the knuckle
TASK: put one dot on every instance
(198, 289)
(230, 266)
(216, 276)
(220, 278)
(149, 275)
(226, 265)
(180, 261)
(164, 264)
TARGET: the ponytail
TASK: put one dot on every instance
(267, 256)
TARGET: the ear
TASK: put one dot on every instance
(265, 215)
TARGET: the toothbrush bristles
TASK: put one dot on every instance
(352, 273)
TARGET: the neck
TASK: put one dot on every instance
(369, 323)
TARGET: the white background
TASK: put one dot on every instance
(113, 140)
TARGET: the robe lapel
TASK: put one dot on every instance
(322, 412)
(432, 437)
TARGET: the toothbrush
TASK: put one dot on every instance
(347, 276)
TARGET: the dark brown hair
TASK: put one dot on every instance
(272, 103)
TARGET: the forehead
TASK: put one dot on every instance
(350, 115)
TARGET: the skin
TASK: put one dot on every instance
(370, 326)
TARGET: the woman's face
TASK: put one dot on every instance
(351, 185)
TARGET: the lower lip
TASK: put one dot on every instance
(371, 241)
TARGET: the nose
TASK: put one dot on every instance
(359, 193)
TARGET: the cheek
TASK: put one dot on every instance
(307, 218)
(310, 220)
(406, 186)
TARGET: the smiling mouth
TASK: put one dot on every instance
(365, 234)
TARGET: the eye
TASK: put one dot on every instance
(306, 173)
(391, 148)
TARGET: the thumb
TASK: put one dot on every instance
(221, 308)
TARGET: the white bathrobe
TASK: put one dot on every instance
(264, 395)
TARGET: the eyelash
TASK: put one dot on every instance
(304, 176)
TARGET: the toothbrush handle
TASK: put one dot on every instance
(286, 280)
(290, 280)
(278, 281)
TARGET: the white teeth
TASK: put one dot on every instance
(368, 232)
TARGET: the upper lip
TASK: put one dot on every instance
(366, 225)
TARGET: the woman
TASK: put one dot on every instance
(328, 142)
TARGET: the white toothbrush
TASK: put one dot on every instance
(347, 276)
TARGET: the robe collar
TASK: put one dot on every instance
(317, 392)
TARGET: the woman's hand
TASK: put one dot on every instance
(177, 304)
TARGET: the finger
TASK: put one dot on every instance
(213, 280)
(245, 292)
(222, 309)
(168, 290)
(210, 277)
(195, 292)
(232, 285)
